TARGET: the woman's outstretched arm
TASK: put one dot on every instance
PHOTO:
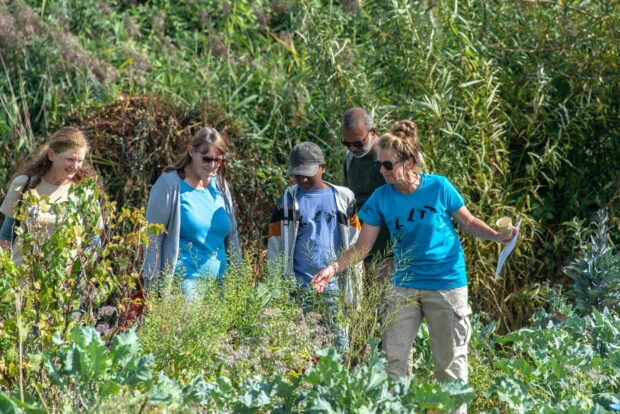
(354, 254)
(478, 228)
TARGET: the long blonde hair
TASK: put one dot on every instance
(204, 137)
(66, 138)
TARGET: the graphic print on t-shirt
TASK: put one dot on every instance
(428, 253)
(319, 216)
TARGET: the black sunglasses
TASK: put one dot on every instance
(207, 160)
(356, 144)
(388, 165)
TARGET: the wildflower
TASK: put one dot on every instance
(103, 328)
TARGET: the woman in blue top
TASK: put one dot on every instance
(193, 202)
(429, 278)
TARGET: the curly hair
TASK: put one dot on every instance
(66, 138)
(403, 141)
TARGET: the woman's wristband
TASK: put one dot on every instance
(334, 265)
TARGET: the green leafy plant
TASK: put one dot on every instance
(334, 389)
(63, 277)
(596, 275)
(14, 405)
(566, 363)
(86, 373)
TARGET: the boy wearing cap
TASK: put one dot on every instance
(312, 223)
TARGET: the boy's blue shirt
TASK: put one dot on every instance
(428, 253)
(318, 240)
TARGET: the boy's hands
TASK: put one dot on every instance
(322, 278)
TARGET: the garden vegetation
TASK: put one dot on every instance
(518, 103)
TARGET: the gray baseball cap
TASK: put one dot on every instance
(305, 159)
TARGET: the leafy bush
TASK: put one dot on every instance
(90, 377)
(335, 389)
(562, 364)
(596, 275)
(14, 405)
(63, 278)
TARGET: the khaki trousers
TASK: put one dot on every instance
(447, 315)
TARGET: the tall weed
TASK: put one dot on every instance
(235, 328)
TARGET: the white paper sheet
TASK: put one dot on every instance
(506, 252)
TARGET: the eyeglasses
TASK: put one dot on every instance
(209, 160)
(356, 144)
(388, 165)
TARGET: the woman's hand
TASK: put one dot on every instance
(322, 278)
(504, 239)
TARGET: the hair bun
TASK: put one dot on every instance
(405, 130)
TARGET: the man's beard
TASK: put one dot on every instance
(365, 152)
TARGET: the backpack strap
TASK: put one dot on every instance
(285, 231)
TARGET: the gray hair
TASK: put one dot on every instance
(354, 116)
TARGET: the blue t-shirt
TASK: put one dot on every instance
(204, 226)
(427, 251)
(318, 237)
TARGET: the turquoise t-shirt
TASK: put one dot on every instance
(204, 227)
(427, 251)
(318, 237)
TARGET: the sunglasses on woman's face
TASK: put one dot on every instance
(208, 160)
(388, 165)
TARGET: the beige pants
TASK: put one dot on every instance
(447, 315)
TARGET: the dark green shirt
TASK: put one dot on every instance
(361, 177)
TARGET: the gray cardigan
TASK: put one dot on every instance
(164, 207)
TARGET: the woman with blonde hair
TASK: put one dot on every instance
(192, 200)
(59, 164)
(429, 279)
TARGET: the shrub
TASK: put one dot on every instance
(87, 376)
(63, 278)
(596, 275)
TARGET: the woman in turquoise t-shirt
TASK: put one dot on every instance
(429, 278)
(192, 200)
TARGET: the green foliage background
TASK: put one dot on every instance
(517, 102)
